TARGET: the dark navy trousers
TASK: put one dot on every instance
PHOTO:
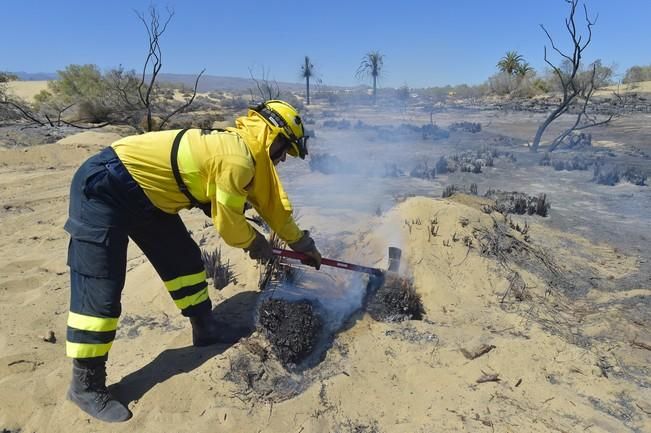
(107, 207)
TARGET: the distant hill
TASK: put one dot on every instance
(213, 82)
(206, 83)
(36, 76)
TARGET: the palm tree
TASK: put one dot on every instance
(371, 65)
(522, 69)
(510, 62)
(307, 70)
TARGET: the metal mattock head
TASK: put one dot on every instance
(394, 259)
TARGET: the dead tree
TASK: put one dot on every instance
(577, 90)
(147, 90)
(266, 89)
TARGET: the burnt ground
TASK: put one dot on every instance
(357, 178)
(395, 301)
(292, 328)
(24, 136)
(618, 215)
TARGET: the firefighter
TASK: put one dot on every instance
(135, 189)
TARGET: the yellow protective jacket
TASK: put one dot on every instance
(225, 168)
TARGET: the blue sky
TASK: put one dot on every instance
(425, 43)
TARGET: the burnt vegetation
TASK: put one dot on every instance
(611, 174)
(292, 328)
(395, 301)
(450, 190)
(519, 203)
(576, 162)
(219, 270)
(471, 127)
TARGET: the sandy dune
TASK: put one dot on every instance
(377, 377)
(26, 89)
(562, 365)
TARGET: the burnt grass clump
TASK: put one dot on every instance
(519, 203)
(432, 131)
(471, 127)
(219, 270)
(570, 164)
(329, 164)
(395, 301)
(450, 190)
(474, 161)
(423, 171)
(611, 175)
(292, 328)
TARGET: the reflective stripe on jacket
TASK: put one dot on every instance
(220, 168)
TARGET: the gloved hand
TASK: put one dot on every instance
(260, 249)
(306, 246)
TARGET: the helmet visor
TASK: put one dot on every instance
(298, 149)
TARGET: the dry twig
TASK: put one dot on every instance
(488, 377)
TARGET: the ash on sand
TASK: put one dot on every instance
(395, 301)
(277, 362)
(292, 328)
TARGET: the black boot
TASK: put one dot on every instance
(206, 330)
(88, 391)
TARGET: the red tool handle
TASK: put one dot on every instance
(328, 262)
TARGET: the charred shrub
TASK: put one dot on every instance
(471, 167)
(434, 132)
(612, 175)
(292, 328)
(221, 272)
(395, 301)
(449, 191)
(519, 203)
(423, 171)
(571, 164)
(442, 165)
(473, 161)
(452, 189)
(338, 124)
(328, 164)
(465, 127)
(634, 176)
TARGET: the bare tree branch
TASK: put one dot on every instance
(154, 59)
(574, 84)
(266, 89)
(188, 102)
(24, 112)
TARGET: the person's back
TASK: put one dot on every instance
(203, 157)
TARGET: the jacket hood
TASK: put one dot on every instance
(258, 136)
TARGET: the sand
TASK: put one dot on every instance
(26, 89)
(377, 377)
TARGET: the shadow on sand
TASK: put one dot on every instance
(237, 311)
